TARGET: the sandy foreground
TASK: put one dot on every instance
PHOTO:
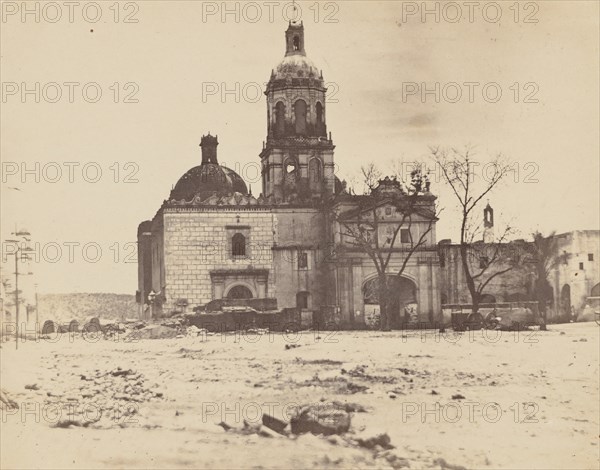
(521, 400)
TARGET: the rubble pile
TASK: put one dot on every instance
(329, 422)
(103, 399)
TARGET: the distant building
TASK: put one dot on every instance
(577, 278)
(572, 280)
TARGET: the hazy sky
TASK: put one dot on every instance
(173, 55)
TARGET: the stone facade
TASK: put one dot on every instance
(291, 247)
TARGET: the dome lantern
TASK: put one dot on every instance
(294, 39)
(209, 148)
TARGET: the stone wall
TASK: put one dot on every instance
(300, 231)
(196, 243)
(516, 283)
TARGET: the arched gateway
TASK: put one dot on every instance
(403, 301)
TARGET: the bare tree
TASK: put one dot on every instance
(366, 227)
(458, 170)
(371, 176)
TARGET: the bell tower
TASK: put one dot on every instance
(488, 224)
(297, 157)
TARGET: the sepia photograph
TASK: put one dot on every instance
(305, 234)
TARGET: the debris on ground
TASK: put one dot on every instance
(156, 332)
(6, 402)
(371, 442)
(447, 466)
(274, 424)
(194, 331)
(323, 419)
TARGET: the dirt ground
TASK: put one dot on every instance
(505, 400)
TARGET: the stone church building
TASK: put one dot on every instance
(213, 244)
(212, 239)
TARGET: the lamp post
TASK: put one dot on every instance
(37, 317)
(22, 250)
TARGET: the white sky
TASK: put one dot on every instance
(172, 54)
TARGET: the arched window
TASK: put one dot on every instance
(279, 119)
(300, 113)
(320, 121)
(238, 245)
(49, 327)
(314, 172)
(239, 292)
(302, 299)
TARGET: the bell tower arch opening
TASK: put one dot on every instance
(279, 119)
(300, 117)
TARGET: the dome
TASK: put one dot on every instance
(208, 179)
(296, 66)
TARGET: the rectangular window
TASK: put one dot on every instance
(302, 260)
(388, 211)
(581, 266)
(404, 235)
(442, 260)
(483, 262)
(590, 256)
